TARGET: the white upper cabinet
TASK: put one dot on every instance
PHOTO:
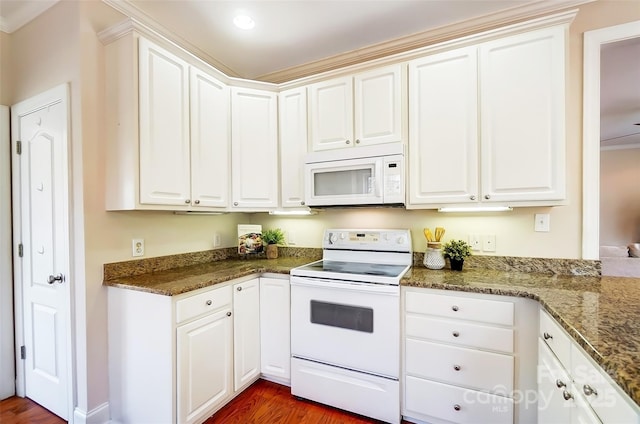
(363, 109)
(210, 138)
(168, 131)
(254, 149)
(164, 127)
(292, 108)
(511, 149)
(522, 121)
(443, 128)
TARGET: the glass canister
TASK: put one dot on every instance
(433, 257)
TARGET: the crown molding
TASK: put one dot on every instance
(428, 38)
(24, 14)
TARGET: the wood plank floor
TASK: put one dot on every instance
(264, 402)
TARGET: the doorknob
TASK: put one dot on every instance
(53, 278)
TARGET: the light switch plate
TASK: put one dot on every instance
(474, 241)
(542, 222)
(489, 243)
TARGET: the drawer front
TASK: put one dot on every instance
(454, 404)
(611, 405)
(202, 303)
(479, 310)
(460, 333)
(556, 338)
(465, 367)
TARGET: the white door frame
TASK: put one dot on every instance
(593, 41)
(57, 94)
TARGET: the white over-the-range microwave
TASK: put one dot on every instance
(367, 175)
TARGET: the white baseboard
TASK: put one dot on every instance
(99, 415)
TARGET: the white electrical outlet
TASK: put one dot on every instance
(542, 222)
(290, 237)
(137, 247)
(474, 241)
(489, 243)
(216, 240)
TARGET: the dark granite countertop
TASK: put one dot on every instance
(601, 313)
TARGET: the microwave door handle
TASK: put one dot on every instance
(378, 179)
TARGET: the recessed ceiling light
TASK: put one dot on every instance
(244, 22)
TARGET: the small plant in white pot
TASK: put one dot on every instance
(456, 251)
(272, 238)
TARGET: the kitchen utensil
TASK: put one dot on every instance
(428, 234)
(439, 233)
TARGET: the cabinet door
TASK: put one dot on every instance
(443, 128)
(379, 106)
(275, 331)
(254, 149)
(203, 366)
(293, 146)
(522, 120)
(246, 332)
(553, 384)
(210, 137)
(164, 127)
(331, 114)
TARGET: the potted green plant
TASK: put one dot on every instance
(272, 238)
(456, 251)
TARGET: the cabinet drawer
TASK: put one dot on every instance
(556, 338)
(479, 310)
(465, 367)
(201, 303)
(459, 333)
(454, 404)
(589, 379)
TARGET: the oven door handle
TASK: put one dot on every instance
(346, 285)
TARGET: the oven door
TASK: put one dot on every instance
(346, 324)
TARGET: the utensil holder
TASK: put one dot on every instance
(433, 257)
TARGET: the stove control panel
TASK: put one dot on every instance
(375, 240)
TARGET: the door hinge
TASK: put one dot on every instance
(19, 147)
(20, 250)
(23, 352)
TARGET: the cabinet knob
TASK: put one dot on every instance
(472, 197)
(455, 308)
(197, 202)
(457, 407)
(547, 336)
(357, 141)
(588, 390)
(302, 203)
(209, 302)
(560, 383)
(456, 334)
(187, 201)
(239, 288)
(348, 141)
(457, 367)
(228, 314)
(487, 197)
(235, 203)
(566, 395)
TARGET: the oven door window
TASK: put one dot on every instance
(350, 317)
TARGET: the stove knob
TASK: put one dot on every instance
(401, 240)
(385, 236)
(332, 238)
(342, 236)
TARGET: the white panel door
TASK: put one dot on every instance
(378, 105)
(254, 149)
(331, 114)
(293, 146)
(204, 364)
(164, 127)
(42, 226)
(210, 138)
(275, 328)
(443, 128)
(246, 332)
(522, 120)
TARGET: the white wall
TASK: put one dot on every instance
(619, 197)
(7, 363)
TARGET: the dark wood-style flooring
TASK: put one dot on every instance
(264, 403)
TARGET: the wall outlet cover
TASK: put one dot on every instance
(137, 247)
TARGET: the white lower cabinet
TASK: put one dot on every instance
(572, 388)
(275, 329)
(467, 357)
(178, 359)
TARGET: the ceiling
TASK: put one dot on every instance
(290, 36)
